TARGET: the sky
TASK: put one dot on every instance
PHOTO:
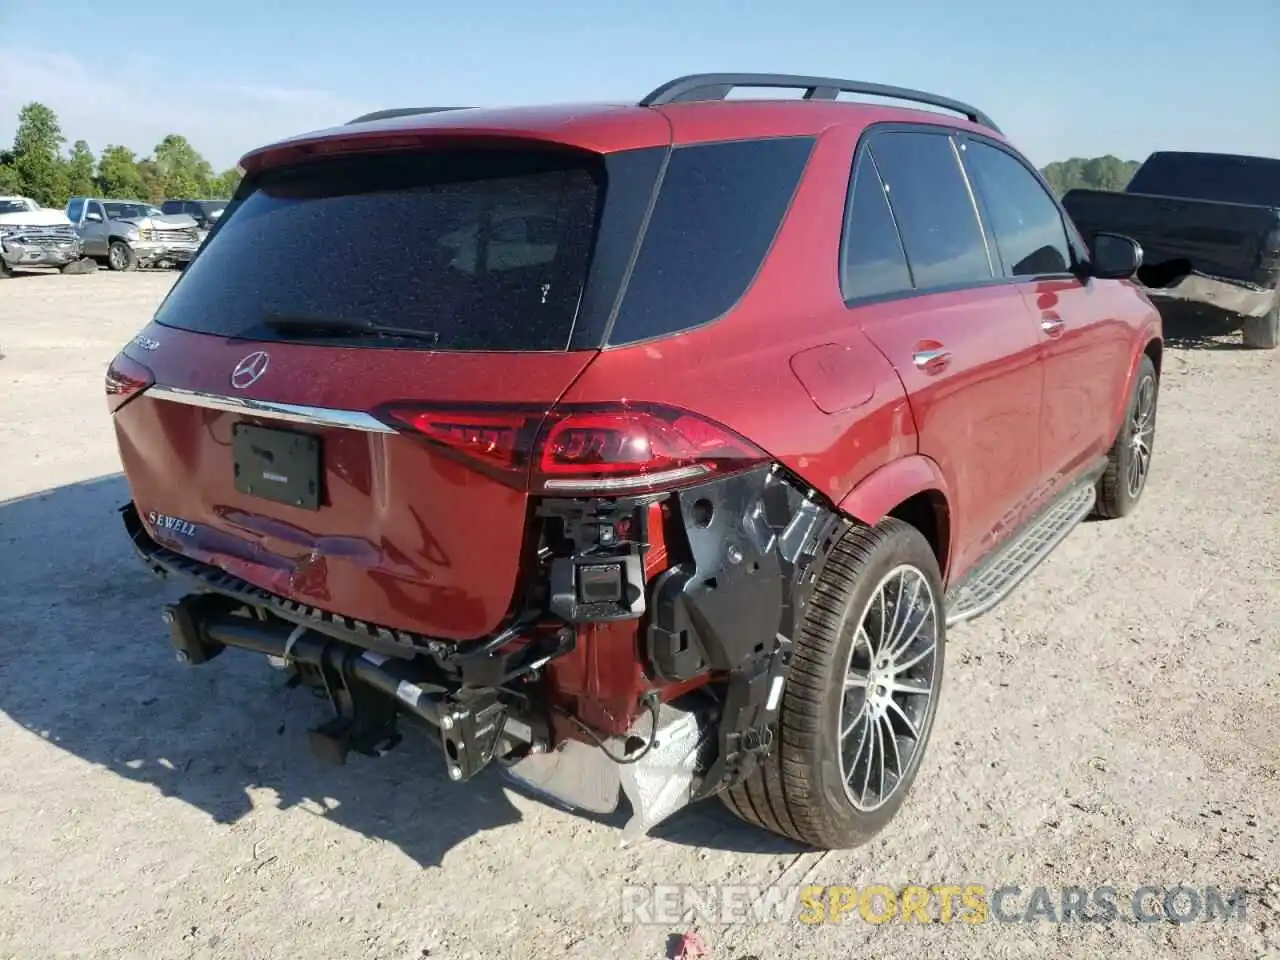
(1082, 78)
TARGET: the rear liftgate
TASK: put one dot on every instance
(743, 550)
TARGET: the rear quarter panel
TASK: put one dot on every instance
(848, 417)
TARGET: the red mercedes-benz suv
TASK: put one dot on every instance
(644, 450)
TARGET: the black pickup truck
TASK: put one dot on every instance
(1209, 226)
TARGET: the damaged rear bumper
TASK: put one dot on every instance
(1234, 297)
(370, 675)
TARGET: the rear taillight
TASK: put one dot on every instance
(126, 378)
(584, 449)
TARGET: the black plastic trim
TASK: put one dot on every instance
(754, 541)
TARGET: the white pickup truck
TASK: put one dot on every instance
(32, 236)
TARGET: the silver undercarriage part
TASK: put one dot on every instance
(582, 777)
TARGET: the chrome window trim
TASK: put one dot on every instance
(271, 410)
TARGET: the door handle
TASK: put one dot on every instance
(931, 361)
(1052, 325)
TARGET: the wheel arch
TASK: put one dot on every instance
(912, 489)
(1153, 349)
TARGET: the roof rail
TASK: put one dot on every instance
(717, 86)
(399, 112)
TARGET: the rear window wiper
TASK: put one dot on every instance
(319, 325)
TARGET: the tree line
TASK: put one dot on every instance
(39, 165)
(1094, 173)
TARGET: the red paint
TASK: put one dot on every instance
(416, 538)
(835, 376)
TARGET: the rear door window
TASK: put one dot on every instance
(1027, 224)
(718, 209)
(930, 199)
(483, 249)
(872, 261)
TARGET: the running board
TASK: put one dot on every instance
(997, 576)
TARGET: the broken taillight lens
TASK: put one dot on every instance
(584, 449)
(126, 378)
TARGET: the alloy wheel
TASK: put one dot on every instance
(1141, 430)
(888, 687)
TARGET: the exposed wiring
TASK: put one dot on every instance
(652, 703)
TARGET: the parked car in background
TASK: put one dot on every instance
(1209, 226)
(32, 236)
(125, 234)
(204, 212)
(658, 456)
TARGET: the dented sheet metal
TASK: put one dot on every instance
(1231, 296)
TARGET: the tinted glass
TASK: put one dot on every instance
(172, 206)
(718, 210)
(74, 209)
(12, 206)
(873, 262)
(1026, 222)
(486, 249)
(1208, 176)
(931, 203)
(117, 209)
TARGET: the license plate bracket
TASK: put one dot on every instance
(278, 465)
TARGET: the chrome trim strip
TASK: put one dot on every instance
(268, 409)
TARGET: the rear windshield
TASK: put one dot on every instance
(1208, 176)
(482, 249)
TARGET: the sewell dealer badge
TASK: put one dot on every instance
(249, 370)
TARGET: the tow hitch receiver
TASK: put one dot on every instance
(368, 691)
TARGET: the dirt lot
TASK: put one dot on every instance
(1115, 723)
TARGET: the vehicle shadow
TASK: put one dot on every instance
(1186, 328)
(87, 666)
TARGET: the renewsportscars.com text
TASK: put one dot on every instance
(937, 903)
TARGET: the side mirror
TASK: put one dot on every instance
(1114, 256)
(93, 217)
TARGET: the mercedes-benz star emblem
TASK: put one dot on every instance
(250, 370)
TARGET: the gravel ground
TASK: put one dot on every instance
(1115, 723)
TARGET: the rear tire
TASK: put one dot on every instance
(826, 789)
(1129, 462)
(120, 256)
(1263, 333)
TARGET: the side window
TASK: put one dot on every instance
(872, 261)
(94, 207)
(718, 209)
(935, 214)
(1027, 225)
(74, 209)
